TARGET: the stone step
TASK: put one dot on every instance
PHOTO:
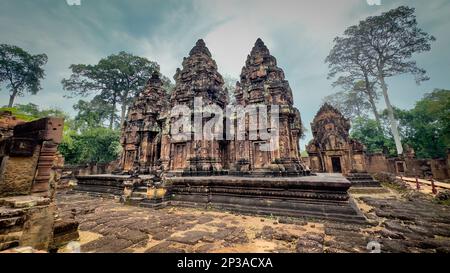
(139, 195)
(6, 223)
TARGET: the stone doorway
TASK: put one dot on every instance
(260, 158)
(336, 164)
(180, 156)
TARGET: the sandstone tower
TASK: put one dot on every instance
(262, 82)
(198, 79)
(142, 131)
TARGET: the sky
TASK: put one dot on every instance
(299, 33)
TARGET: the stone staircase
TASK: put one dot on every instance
(362, 180)
(11, 221)
(138, 195)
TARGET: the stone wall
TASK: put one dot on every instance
(409, 166)
(17, 174)
(30, 167)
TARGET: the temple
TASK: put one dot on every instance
(142, 131)
(333, 151)
(247, 161)
(148, 144)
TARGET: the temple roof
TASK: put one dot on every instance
(326, 107)
(200, 47)
(259, 47)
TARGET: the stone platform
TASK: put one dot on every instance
(363, 179)
(102, 183)
(321, 197)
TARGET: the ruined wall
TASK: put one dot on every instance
(17, 173)
(28, 174)
(409, 166)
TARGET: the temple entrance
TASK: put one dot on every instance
(336, 163)
(260, 158)
(180, 156)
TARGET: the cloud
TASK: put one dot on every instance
(299, 34)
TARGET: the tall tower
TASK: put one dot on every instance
(262, 82)
(141, 132)
(198, 80)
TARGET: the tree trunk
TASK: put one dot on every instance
(374, 110)
(124, 99)
(113, 112)
(123, 114)
(369, 90)
(394, 126)
(12, 97)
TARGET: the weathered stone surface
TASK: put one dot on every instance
(189, 237)
(164, 247)
(230, 232)
(309, 246)
(133, 236)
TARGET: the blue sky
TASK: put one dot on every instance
(299, 34)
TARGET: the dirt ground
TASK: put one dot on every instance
(396, 223)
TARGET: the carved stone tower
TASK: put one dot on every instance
(198, 80)
(262, 82)
(141, 132)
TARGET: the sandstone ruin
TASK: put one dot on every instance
(29, 170)
(157, 169)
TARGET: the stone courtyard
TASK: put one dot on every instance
(401, 221)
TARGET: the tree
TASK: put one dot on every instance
(347, 60)
(352, 104)
(388, 42)
(426, 127)
(100, 145)
(92, 114)
(367, 131)
(116, 79)
(20, 71)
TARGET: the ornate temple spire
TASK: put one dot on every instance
(200, 47)
(199, 78)
(262, 80)
(260, 48)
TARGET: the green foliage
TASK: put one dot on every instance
(116, 80)
(92, 114)
(30, 112)
(20, 71)
(425, 128)
(368, 132)
(92, 145)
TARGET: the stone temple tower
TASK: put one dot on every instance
(141, 132)
(262, 82)
(198, 79)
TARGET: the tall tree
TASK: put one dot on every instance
(352, 68)
(389, 41)
(92, 114)
(20, 71)
(352, 104)
(116, 79)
